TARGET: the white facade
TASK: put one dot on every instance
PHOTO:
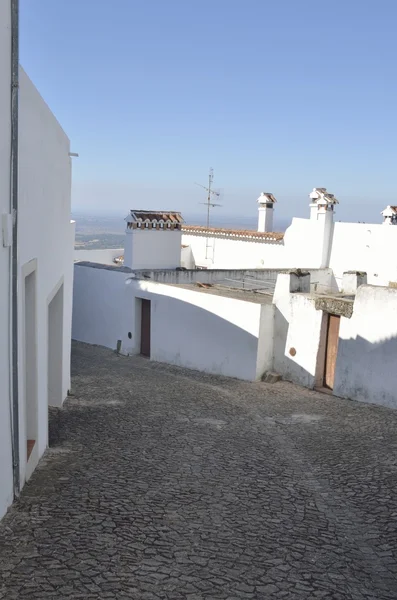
(238, 337)
(46, 248)
(6, 475)
(45, 273)
(207, 332)
(226, 249)
(152, 249)
(297, 329)
(367, 352)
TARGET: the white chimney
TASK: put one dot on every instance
(322, 211)
(266, 203)
(389, 215)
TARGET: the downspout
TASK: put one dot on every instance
(14, 248)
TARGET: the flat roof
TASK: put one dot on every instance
(228, 292)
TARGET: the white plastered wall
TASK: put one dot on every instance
(367, 352)
(192, 329)
(297, 334)
(46, 246)
(6, 482)
(153, 248)
(230, 253)
(207, 332)
(102, 308)
(365, 247)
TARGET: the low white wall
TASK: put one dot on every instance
(191, 329)
(6, 483)
(229, 253)
(367, 352)
(207, 332)
(102, 307)
(104, 256)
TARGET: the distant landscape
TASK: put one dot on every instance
(107, 230)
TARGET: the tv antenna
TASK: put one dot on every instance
(210, 204)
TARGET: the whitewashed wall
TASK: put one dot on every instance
(102, 307)
(104, 256)
(367, 353)
(352, 246)
(231, 253)
(207, 332)
(46, 239)
(191, 329)
(6, 482)
(365, 247)
(297, 333)
(152, 249)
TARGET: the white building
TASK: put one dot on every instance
(304, 313)
(35, 363)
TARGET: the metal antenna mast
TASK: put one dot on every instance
(209, 204)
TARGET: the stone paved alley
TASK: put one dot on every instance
(166, 483)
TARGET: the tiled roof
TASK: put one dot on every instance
(234, 233)
(154, 219)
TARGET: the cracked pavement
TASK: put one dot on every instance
(168, 483)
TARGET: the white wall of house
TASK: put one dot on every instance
(102, 307)
(46, 253)
(206, 332)
(191, 329)
(367, 352)
(297, 330)
(233, 253)
(152, 248)
(365, 247)
(6, 482)
(307, 244)
(104, 256)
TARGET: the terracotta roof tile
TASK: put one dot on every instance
(239, 233)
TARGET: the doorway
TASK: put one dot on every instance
(30, 360)
(331, 351)
(55, 349)
(145, 327)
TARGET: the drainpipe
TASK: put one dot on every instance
(14, 248)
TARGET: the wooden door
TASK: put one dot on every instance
(145, 328)
(331, 350)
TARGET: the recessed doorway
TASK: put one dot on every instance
(145, 327)
(30, 360)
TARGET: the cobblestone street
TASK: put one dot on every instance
(167, 483)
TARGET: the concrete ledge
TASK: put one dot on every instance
(335, 306)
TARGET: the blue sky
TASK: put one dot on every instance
(275, 96)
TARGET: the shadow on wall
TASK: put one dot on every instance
(283, 361)
(190, 336)
(366, 371)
